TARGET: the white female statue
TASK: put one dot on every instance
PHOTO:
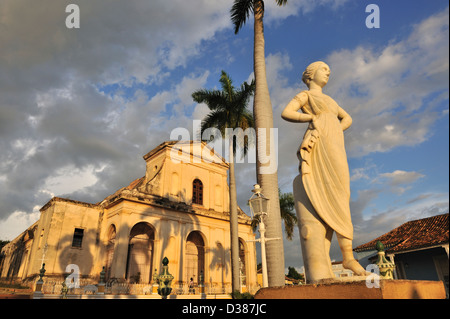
(322, 190)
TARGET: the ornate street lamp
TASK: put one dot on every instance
(101, 284)
(165, 280)
(64, 288)
(38, 290)
(385, 267)
(259, 206)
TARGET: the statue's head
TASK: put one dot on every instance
(311, 70)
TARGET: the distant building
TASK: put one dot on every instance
(179, 210)
(339, 271)
(419, 249)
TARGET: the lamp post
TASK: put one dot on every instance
(38, 290)
(64, 288)
(101, 284)
(165, 280)
(259, 208)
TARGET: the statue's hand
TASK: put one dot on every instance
(314, 120)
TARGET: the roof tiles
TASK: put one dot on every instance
(415, 234)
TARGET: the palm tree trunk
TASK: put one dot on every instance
(234, 235)
(263, 115)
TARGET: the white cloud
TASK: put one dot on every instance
(273, 12)
(17, 222)
(398, 181)
(183, 91)
(69, 179)
(392, 85)
(358, 173)
(137, 35)
(400, 177)
(49, 88)
(25, 148)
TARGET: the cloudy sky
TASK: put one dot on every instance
(80, 107)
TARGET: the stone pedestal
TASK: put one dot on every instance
(155, 289)
(39, 285)
(101, 289)
(38, 294)
(387, 289)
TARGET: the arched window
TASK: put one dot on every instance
(197, 192)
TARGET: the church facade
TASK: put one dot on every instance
(178, 210)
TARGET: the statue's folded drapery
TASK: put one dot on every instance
(323, 165)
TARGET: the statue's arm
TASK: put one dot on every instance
(346, 119)
(290, 112)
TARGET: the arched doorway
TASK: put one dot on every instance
(140, 253)
(195, 257)
(110, 250)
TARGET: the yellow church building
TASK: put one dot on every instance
(178, 210)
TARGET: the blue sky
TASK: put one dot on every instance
(80, 107)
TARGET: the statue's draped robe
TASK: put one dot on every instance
(323, 164)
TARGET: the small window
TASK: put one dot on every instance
(77, 237)
(197, 192)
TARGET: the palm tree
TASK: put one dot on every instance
(288, 215)
(229, 111)
(263, 115)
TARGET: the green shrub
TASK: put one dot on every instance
(238, 295)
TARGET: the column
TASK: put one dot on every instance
(180, 249)
(119, 264)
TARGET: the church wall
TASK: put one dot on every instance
(172, 185)
(82, 218)
(178, 172)
(15, 256)
(58, 223)
(52, 237)
(172, 229)
(41, 237)
(118, 216)
(154, 173)
(25, 258)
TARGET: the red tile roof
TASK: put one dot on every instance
(421, 233)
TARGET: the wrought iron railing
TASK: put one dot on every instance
(124, 288)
